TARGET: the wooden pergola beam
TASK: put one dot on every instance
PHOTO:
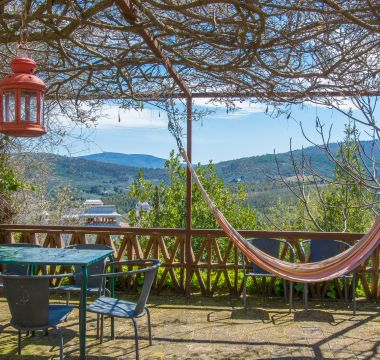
(238, 95)
(129, 12)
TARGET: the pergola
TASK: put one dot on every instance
(133, 51)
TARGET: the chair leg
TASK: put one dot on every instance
(136, 338)
(149, 326)
(68, 298)
(290, 296)
(284, 283)
(97, 325)
(101, 328)
(245, 292)
(305, 290)
(346, 290)
(19, 343)
(60, 335)
(61, 356)
(112, 328)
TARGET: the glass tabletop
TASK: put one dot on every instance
(51, 256)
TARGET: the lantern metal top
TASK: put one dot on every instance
(23, 70)
(23, 65)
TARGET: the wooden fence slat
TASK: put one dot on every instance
(209, 261)
(30, 238)
(78, 238)
(148, 247)
(123, 247)
(176, 246)
(210, 257)
(200, 251)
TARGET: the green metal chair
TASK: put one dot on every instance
(117, 308)
(271, 247)
(321, 250)
(28, 301)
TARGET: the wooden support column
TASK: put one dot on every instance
(188, 252)
(131, 15)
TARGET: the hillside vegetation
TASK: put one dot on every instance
(110, 179)
(91, 178)
(134, 160)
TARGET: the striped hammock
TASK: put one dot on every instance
(328, 269)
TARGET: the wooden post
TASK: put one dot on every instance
(188, 256)
(6, 237)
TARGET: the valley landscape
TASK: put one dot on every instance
(109, 175)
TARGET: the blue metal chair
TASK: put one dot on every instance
(113, 307)
(322, 250)
(271, 247)
(95, 285)
(28, 301)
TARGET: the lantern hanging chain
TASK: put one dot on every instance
(23, 42)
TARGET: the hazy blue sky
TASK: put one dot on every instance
(220, 136)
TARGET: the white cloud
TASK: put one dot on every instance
(108, 118)
(242, 108)
(155, 118)
(145, 118)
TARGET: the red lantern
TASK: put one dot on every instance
(22, 100)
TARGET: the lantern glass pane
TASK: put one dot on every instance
(28, 106)
(9, 106)
(42, 119)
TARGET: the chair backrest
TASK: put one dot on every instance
(28, 300)
(150, 273)
(15, 268)
(324, 249)
(96, 268)
(269, 246)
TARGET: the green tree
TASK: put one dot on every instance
(283, 216)
(345, 204)
(168, 201)
(340, 204)
(11, 182)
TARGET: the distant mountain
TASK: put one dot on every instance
(88, 178)
(105, 178)
(133, 160)
(258, 168)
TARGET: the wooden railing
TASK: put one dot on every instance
(214, 263)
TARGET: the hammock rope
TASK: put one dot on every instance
(328, 269)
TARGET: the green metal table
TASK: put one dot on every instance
(69, 257)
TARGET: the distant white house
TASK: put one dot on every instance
(92, 202)
(94, 213)
(103, 215)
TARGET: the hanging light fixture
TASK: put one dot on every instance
(22, 93)
(22, 99)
